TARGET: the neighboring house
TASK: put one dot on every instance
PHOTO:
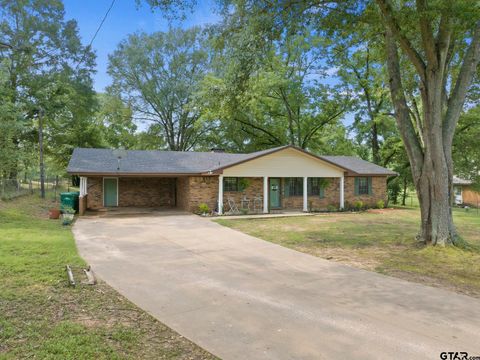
(285, 177)
(464, 193)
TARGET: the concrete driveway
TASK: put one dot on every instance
(240, 297)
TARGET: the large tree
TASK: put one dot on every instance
(361, 69)
(158, 74)
(273, 92)
(441, 40)
(44, 66)
(432, 51)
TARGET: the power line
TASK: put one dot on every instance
(96, 32)
(101, 23)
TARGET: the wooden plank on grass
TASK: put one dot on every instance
(70, 276)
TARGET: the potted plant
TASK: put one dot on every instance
(54, 213)
(203, 209)
(68, 214)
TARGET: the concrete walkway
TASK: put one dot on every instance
(243, 298)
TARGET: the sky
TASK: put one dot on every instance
(124, 18)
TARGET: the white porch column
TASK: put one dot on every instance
(265, 194)
(83, 186)
(342, 189)
(220, 194)
(305, 194)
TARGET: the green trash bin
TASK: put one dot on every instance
(69, 199)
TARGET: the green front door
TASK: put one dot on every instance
(110, 192)
(274, 193)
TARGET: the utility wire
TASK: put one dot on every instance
(96, 33)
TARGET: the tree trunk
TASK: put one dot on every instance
(429, 164)
(375, 144)
(42, 165)
(436, 215)
(404, 195)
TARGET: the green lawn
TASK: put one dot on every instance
(382, 241)
(42, 317)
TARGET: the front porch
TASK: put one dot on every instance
(272, 194)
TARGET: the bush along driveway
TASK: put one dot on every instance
(42, 317)
(240, 297)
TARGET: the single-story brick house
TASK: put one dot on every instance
(285, 177)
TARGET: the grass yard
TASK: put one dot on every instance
(381, 241)
(42, 317)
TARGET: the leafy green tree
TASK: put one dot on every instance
(69, 111)
(43, 58)
(9, 128)
(158, 74)
(280, 99)
(116, 117)
(441, 42)
(466, 150)
(361, 69)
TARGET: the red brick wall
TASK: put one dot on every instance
(183, 193)
(315, 203)
(140, 192)
(146, 192)
(195, 190)
(95, 194)
(379, 191)
(202, 189)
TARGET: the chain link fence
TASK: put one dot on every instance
(13, 188)
(411, 200)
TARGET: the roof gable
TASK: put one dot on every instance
(287, 161)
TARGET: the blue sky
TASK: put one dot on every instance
(124, 18)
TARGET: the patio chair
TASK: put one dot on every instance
(232, 206)
(257, 203)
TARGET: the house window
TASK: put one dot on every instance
(363, 185)
(294, 187)
(231, 184)
(316, 187)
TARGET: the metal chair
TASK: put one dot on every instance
(258, 203)
(232, 206)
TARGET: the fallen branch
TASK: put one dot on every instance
(70, 276)
(91, 278)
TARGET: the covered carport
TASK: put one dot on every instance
(99, 192)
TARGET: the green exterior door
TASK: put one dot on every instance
(110, 192)
(274, 193)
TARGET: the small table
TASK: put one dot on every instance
(245, 203)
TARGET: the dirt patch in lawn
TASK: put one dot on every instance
(428, 280)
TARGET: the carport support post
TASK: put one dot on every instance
(342, 195)
(220, 194)
(265, 194)
(305, 194)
